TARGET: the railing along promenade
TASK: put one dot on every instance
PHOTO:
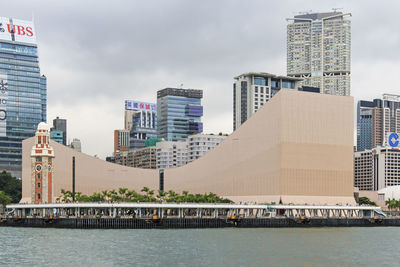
(187, 210)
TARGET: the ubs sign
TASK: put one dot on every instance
(393, 140)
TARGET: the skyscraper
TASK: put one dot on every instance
(376, 119)
(251, 90)
(318, 50)
(23, 96)
(179, 113)
(59, 125)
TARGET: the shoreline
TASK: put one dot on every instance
(182, 223)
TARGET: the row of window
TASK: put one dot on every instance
(19, 67)
(18, 48)
(18, 59)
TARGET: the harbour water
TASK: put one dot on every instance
(348, 246)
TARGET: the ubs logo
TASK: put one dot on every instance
(393, 139)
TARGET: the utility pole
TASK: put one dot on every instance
(73, 178)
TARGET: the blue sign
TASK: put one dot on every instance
(393, 140)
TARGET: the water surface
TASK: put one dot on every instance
(200, 247)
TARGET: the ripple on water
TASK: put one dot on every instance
(200, 247)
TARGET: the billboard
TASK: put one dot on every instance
(136, 105)
(3, 104)
(17, 30)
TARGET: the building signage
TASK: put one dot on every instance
(3, 104)
(136, 105)
(393, 140)
(17, 30)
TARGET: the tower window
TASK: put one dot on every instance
(38, 196)
(38, 185)
(38, 175)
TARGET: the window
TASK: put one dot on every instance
(38, 176)
(38, 185)
(38, 196)
(260, 81)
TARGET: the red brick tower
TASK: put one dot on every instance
(42, 166)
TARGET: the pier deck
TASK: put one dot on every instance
(190, 215)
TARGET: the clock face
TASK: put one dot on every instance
(38, 168)
(49, 168)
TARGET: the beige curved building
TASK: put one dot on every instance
(297, 149)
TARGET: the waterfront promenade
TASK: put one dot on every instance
(158, 215)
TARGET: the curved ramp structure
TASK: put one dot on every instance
(297, 149)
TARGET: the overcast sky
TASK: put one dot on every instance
(96, 54)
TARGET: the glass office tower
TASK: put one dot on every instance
(179, 113)
(22, 90)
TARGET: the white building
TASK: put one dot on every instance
(251, 90)
(171, 154)
(318, 50)
(199, 144)
(377, 168)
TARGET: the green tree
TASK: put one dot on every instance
(366, 201)
(4, 198)
(11, 186)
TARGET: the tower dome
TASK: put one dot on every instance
(43, 126)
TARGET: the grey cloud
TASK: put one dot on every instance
(102, 52)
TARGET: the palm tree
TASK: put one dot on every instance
(161, 195)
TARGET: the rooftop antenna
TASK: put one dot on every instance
(335, 9)
(305, 12)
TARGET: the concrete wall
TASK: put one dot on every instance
(298, 149)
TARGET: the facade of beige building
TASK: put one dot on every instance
(297, 149)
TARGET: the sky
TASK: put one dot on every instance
(97, 54)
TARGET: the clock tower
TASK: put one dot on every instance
(42, 156)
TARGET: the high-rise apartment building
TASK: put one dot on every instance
(141, 122)
(251, 90)
(179, 113)
(23, 96)
(318, 50)
(199, 144)
(375, 119)
(60, 125)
